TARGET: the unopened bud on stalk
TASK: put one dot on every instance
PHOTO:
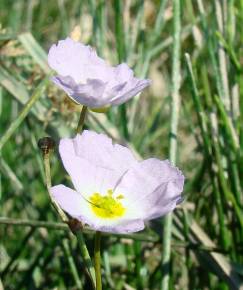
(46, 144)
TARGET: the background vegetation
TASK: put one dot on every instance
(36, 250)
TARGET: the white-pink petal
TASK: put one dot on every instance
(152, 186)
(69, 200)
(93, 162)
(99, 150)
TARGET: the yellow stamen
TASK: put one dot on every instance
(106, 206)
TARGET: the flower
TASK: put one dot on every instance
(114, 191)
(88, 79)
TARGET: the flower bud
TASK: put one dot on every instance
(46, 144)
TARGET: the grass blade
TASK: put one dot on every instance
(175, 107)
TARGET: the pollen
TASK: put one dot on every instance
(107, 206)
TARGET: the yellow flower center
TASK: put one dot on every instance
(107, 206)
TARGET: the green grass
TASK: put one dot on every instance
(192, 52)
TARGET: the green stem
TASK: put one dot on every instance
(86, 257)
(46, 157)
(33, 223)
(81, 119)
(71, 262)
(6, 170)
(175, 107)
(195, 246)
(16, 123)
(64, 227)
(201, 115)
(122, 54)
(222, 58)
(97, 261)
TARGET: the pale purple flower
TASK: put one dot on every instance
(114, 192)
(88, 79)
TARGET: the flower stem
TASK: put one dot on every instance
(86, 257)
(46, 157)
(175, 108)
(81, 119)
(67, 249)
(97, 261)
